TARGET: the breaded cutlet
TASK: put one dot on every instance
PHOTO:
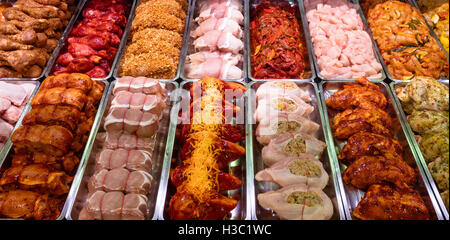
(154, 34)
(157, 19)
(171, 7)
(148, 65)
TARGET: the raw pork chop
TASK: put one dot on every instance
(122, 140)
(132, 121)
(121, 179)
(122, 158)
(140, 101)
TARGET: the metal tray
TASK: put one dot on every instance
(410, 134)
(189, 48)
(167, 190)
(78, 17)
(123, 43)
(353, 4)
(87, 170)
(6, 161)
(383, 63)
(306, 39)
(4, 151)
(350, 195)
(256, 164)
(54, 54)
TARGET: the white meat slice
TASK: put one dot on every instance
(123, 158)
(298, 202)
(140, 101)
(305, 169)
(203, 56)
(121, 179)
(221, 10)
(116, 140)
(144, 85)
(222, 24)
(214, 67)
(132, 121)
(14, 93)
(219, 40)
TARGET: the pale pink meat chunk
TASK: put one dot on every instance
(214, 67)
(219, 40)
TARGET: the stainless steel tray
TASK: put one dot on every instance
(4, 151)
(88, 168)
(410, 134)
(54, 54)
(83, 156)
(306, 39)
(189, 47)
(354, 4)
(350, 195)
(256, 164)
(383, 63)
(182, 50)
(167, 190)
(126, 31)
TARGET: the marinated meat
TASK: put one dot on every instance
(28, 205)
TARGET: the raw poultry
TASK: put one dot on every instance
(123, 165)
(154, 44)
(201, 173)
(29, 32)
(47, 147)
(218, 40)
(13, 98)
(291, 153)
(92, 44)
(426, 101)
(374, 158)
(404, 40)
(278, 48)
(342, 47)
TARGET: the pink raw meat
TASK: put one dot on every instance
(223, 41)
(126, 141)
(140, 101)
(214, 67)
(223, 9)
(16, 94)
(204, 56)
(132, 121)
(5, 130)
(222, 24)
(4, 104)
(12, 114)
(122, 158)
(140, 85)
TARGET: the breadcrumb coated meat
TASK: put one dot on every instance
(158, 35)
(157, 18)
(149, 64)
(169, 7)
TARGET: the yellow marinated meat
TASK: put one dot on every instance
(437, 16)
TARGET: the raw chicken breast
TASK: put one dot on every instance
(272, 127)
(298, 202)
(289, 145)
(222, 24)
(203, 56)
(276, 88)
(5, 130)
(342, 47)
(224, 9)
(12, 114)
(219, 40)
(214, 67)
(287, 104)
(305, 169)
(121, 179)
(14, 93)
(4, 104)
(132, 121)
(123, 158)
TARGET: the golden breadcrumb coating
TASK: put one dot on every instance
(154, 34)
(170, 7)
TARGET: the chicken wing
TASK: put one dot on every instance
(383, 202)
(362, 94)
(352, 121)
(368, 170)
(37, 176)
(52, 140)
(369, 144)
(29, 205)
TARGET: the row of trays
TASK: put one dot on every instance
(344, 198)
(188, 48)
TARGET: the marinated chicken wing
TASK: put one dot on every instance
(352, 121)
(424, 93)
(53, 140)
(383, 202)
(368, 170)
(426, 121)
(28, 205)
(37, 176)
(362, 94)
(369, 144)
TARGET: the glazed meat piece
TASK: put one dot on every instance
(132, 121)
(362, 94)
(37, 176)
(185, 207)
(29, 205)
(383, 202)
(114, 206)
(122, 180)
(352, 121)
(368, 170)
(69, 80)
(298, 202)
(67, 163)
(291, 145)
(426, 121)
(424, 93)
(370, 144)
(122, 158)
(305, 169)
(60, 96)
(65, 116)
(269, 128)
